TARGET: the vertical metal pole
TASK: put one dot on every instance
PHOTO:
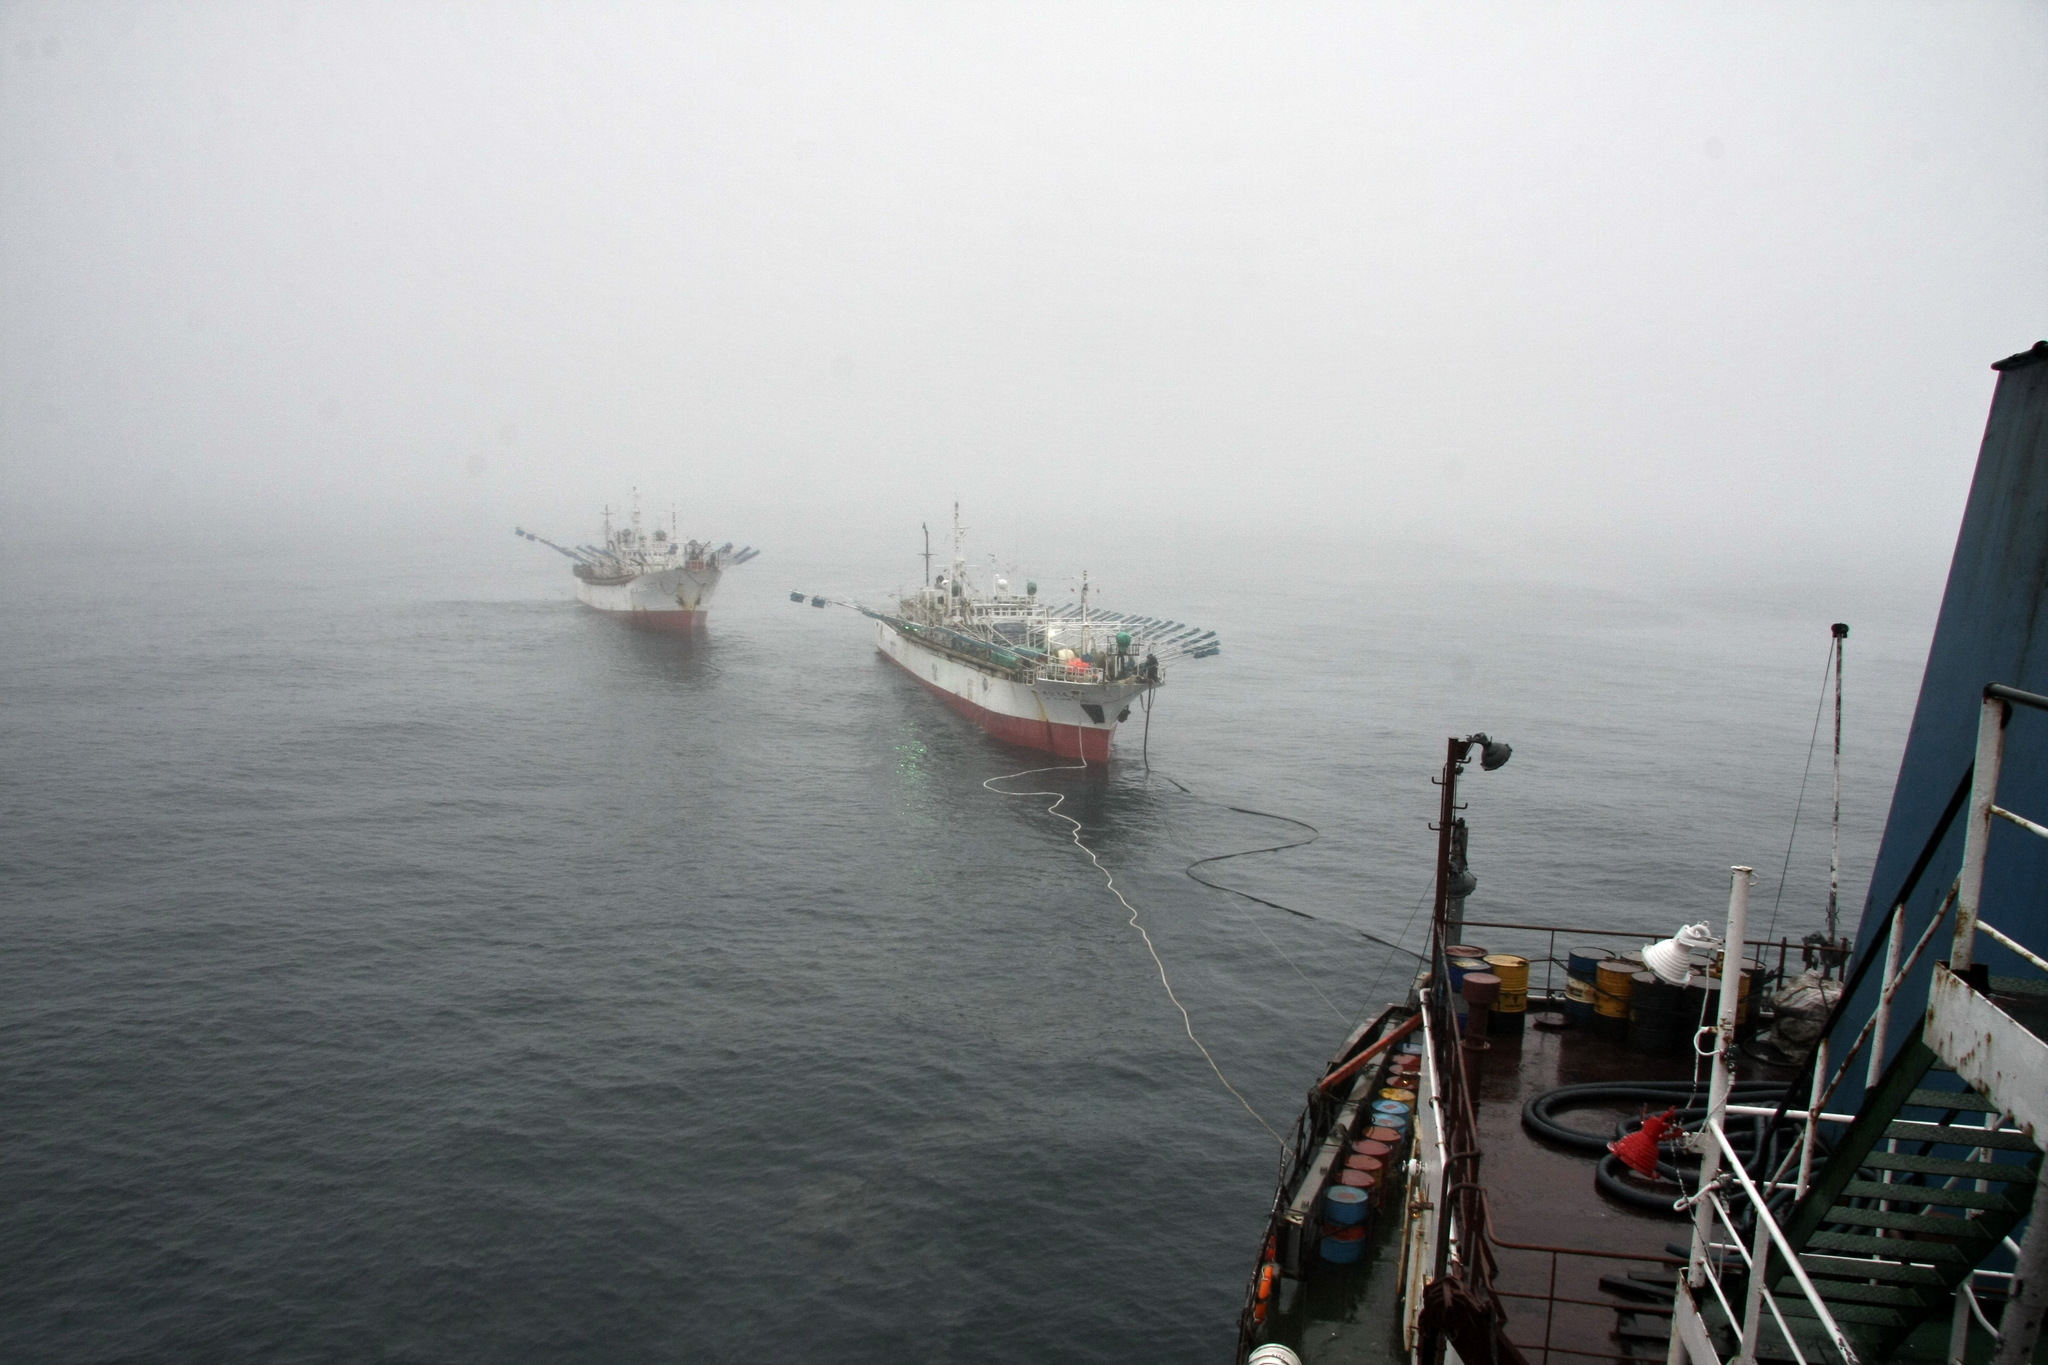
(1959, 1326)
(2021, 1326)
(1892, 948)
(1835, 849)
(1723, 1074)
(1977, 832)
(1753, 1300)
(1454, 754)
(1820, 1076)
(1550, 1309)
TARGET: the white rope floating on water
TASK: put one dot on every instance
(1109, 879)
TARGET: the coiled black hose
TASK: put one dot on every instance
(1540, 1119)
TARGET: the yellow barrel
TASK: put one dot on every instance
(1749, 976)
(1513, 972)
(1396, 1093)
(1614, 987)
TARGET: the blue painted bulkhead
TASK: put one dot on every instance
(1993, 627)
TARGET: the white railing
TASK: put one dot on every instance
(1986, 1046)
(1756, 1260)
(1719, 1244)
(1991, 722)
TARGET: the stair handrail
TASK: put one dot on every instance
(1992, 717)
(1871, 954)
(1769, 1225)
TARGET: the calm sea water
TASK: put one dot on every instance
(406, 967)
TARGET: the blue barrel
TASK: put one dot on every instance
(1390, 1114)
(1461, 967)
(1582, 973)
(1345, 1205)
(1344, 1246)
(1585, 962)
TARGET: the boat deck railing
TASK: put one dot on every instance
(1738, 1246)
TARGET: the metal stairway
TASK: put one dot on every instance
(1919, 1191)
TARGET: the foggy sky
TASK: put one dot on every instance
(1697, 282)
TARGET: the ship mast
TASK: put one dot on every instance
(1835, 850)
(1084, 611)
(958, 588)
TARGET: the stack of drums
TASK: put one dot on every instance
(1703, 1001)
(1464, 960)
(1511, 1010)
(1343, 1243)
(1656, 1015)
(1363, 1171)
(1750, 1013)
(1612, 987)
(1347, 1213)
(1582, 969)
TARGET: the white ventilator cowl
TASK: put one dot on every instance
(1272, 1353)
(1685, 955)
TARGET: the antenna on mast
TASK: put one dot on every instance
(927, 527)
(1841, 630)
(958, 589)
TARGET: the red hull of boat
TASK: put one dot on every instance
(1066, 741)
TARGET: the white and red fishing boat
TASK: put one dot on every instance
(656, 581)
(1059, 679)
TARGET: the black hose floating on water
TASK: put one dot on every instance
(1313, 835)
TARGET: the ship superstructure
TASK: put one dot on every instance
(1058, 679)
(1860, 1181)
(654, 580)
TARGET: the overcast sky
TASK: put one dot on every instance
(1703, 280)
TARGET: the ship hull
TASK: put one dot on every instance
(1047, 716)
(673, 601)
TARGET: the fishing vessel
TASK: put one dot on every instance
(654, 581)
(1059, 679)
(1691, 1146)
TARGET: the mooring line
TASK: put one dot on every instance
(1174, 827)
(1314, 834)
(1109, 879)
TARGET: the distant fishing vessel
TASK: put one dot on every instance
(1058, 679)
(655, 582)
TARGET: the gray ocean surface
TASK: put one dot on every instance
(404, 963)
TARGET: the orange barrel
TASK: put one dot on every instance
(1390, 1136)
(1361, 1180)
(1611, 994)
(1370, 1165)
(1372, 1147)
